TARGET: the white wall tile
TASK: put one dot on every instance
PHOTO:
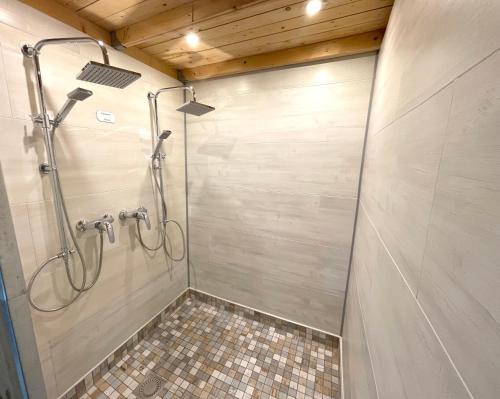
(400, 172)
(408, 360)
(430, 189)
(358, 382)
(460, 281)
(273, 178)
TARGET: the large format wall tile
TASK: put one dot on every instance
(399, 176)
(408, 360)
(273, 180)
(358, 382)
(460, 282)
(426, 46)
(430, 188)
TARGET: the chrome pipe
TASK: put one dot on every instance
(44, 119)
(47, 135)
(159, 91)
(51, 168)
(157, 175)
(32, 51)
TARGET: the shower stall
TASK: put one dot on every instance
(192, 107)
(327, 228)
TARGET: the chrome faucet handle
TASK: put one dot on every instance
(140, 213)
(108, 228)
(103, 224)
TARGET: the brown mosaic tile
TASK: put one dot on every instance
(204, 347)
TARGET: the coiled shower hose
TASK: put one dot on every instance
(162, 235)
(78, 289)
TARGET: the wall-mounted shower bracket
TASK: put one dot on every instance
(45, 168)
(27, 50)
(140, 213)
(156, 164)
(65, 253)
(159, 156)
(103, 225)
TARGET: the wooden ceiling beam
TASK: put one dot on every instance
(69, 17)
(281, 39)
(351, 45)
(279, 20)
(176, 18)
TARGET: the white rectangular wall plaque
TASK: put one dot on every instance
(107, 117)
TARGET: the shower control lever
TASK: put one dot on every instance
(104, 224)
(140, 213)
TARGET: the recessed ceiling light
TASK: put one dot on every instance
(192, 39)
(313, 7)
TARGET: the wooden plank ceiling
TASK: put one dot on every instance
(234, 35)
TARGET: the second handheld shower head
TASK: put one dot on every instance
(163, 135)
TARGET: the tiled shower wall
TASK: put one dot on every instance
(273, 178)
(104, 168)
(423, 302)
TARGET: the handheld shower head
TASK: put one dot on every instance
(78, 94)
(163, 135)
(107, 75)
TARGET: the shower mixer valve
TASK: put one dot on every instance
(104, 225)
(140, 213)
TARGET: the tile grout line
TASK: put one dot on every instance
(267, 313)
(436, 181)
(221, 364)
(358, 198)
(351, 255)
(98, 365)
(439, 90)
(419, 305)
(368, 347)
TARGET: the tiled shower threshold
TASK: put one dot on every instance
(205, 347)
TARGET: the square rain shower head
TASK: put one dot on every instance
(195, 108)
(107, 75)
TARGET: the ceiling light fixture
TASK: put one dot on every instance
(192, 39)
(313, 7)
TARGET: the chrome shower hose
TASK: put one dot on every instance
(65, 256)
(162, 235)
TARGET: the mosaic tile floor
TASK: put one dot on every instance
(206, 351)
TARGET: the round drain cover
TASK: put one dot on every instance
(150, 386)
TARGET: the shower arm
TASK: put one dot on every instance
(154, 98)
(35, 51)
(152, 95)
(44, 120)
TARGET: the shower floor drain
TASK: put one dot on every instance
(150, 387)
